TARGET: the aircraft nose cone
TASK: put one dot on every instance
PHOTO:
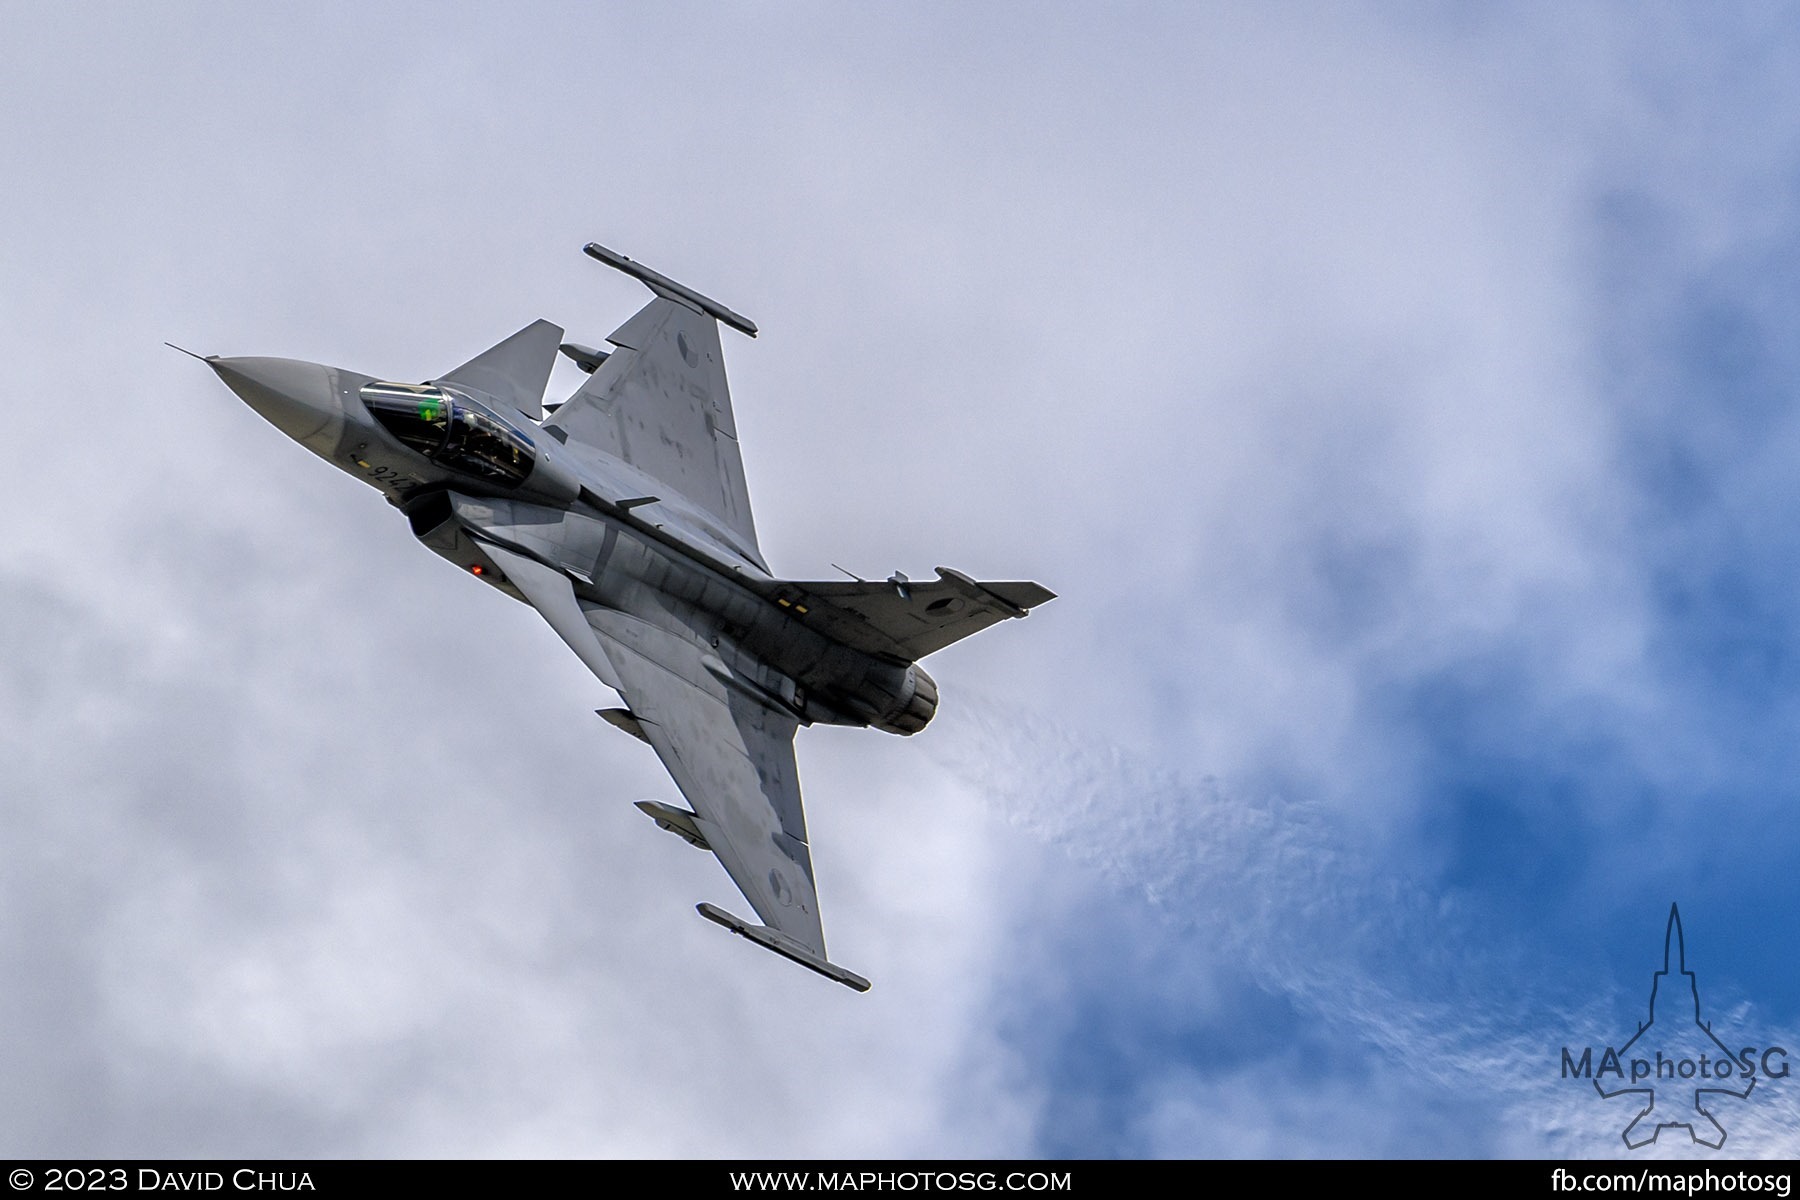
(298, 398)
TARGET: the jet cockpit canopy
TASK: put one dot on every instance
(453, 431)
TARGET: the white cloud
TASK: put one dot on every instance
(1268, 340)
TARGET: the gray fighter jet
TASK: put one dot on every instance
(621, 515)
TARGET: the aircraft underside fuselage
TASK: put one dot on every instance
(618, 565)
(525, 492)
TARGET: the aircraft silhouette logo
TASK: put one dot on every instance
(1691, 1067)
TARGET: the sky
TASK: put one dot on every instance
(1398, 396)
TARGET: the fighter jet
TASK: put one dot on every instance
(622, 517)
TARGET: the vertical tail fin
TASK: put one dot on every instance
(904, 618)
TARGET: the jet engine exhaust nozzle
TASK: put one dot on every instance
(916, 706)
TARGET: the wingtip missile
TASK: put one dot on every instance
(787, 947)
(662, 285)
